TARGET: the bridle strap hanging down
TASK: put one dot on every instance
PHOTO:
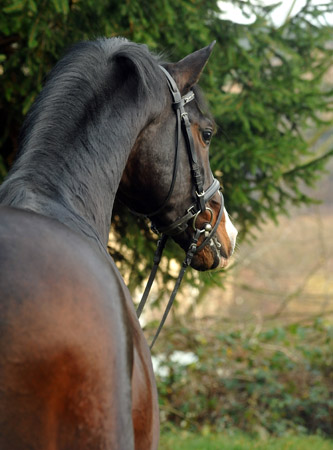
(202, 197)
(193, 248)
(187, 261)
(157, 258)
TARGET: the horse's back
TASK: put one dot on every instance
(65, 359)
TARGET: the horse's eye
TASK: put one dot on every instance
(206, 136)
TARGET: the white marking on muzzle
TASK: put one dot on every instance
(231, 230)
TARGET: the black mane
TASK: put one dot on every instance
(76, 137)
(81, 84)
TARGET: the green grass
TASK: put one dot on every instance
(190, 441)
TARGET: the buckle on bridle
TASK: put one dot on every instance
(188, 98)
(191, 210)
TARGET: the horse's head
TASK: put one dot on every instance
(168, 176)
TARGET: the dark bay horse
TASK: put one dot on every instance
(75, 369)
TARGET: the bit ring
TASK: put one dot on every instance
(196, 216)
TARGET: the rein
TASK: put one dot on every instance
(199, 206)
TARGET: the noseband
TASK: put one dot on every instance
(192, 213)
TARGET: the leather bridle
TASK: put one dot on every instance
(192, 213)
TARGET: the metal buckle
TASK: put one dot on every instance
(188, 98)
(190, 210)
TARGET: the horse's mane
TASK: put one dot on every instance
(88, 88)
(90, 74)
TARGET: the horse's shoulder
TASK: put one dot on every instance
(61, 327)
(52, 252)
(53, 278)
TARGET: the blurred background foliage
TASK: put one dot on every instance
(267, 91)
(269, 381)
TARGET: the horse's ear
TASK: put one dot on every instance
(187, 71)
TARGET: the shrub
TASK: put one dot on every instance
(275, 381)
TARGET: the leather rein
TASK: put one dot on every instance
(199, 206)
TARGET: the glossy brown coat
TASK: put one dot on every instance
(64, 382)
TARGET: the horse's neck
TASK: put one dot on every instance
(75, 182)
